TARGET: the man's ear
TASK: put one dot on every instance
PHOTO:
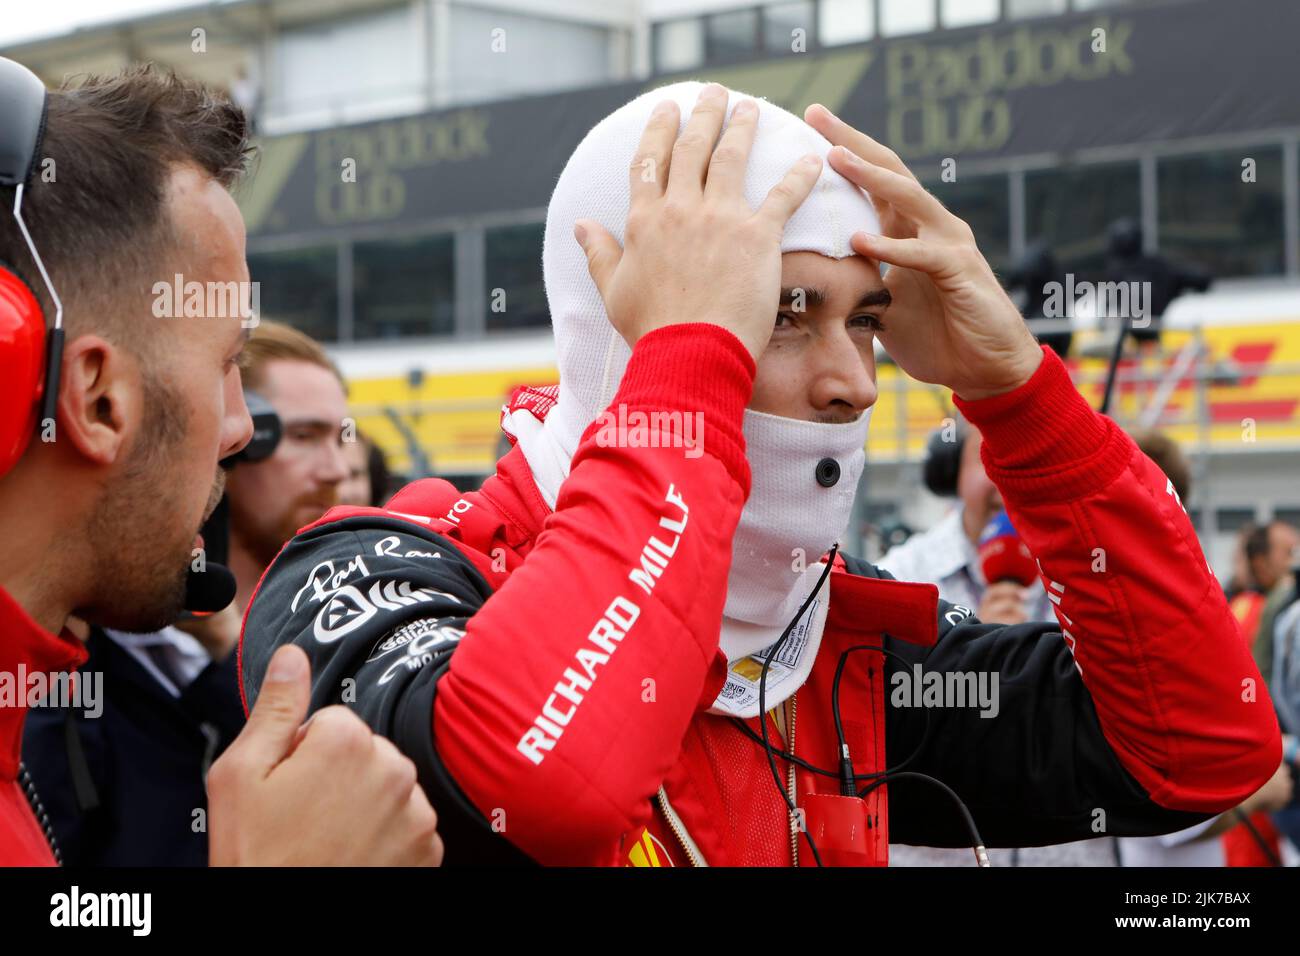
(99, 398)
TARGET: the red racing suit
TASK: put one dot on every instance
(550, 673)
(26, 650)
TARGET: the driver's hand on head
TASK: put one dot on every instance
(951, 322)
(330, 793)
(693, 249)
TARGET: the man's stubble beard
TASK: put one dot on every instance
(139, 577)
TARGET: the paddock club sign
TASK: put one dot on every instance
(1161, 71)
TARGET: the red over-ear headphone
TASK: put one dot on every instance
(22, 359)
(30, 355)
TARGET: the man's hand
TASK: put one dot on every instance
(218, 633)
(329, 793)
(1003, 603)
(950, 322)
(693, 249)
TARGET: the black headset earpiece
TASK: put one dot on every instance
(943, 462)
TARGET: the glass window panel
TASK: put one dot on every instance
(1290, 515)
(539, 54)
(299, 287)
(906, 16)
(846, 21)
(1234, 519)
(404, 287)
(984, 203)
(385, 74)
(781, 20)
(679, 45)
(1070, 209)
(1210, 217)
(516, 297)
(1034, 8)
(733, 35)
(962, 13)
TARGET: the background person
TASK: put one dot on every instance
(145, 161)
(272, 498)
(947, 555)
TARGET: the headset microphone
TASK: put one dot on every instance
(210, 590)
(214, 587)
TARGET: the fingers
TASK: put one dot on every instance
(603, 252)
(727, 167)
(788, 195)
(649, 171)
(281, 706)
(905, 253)
(694, 148)
(841, 133)
(904, 193)
(412, 822)
(426, 847)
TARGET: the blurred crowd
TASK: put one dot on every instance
(963, 554)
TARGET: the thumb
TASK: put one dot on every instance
(603, 252)
(272, 726)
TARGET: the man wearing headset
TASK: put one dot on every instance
(948, 554)
(636, 644)
(109, 448)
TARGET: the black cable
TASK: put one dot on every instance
(977, 842)
(1245, 821)
(786, 755)
(845, 773)
(762, 695)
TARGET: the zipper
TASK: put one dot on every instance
(675, 824)
(794, 817)
(38, 809)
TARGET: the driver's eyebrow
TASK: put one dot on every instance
(811, 297)
(878, 297)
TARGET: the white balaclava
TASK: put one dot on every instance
(790, 518)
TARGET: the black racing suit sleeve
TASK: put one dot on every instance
(1040, 772)
(379, 605)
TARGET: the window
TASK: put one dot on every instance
(679, 45)
(733, 35)
(846, 21)
(1234, 519)
(781, 20)
(404, 287)
(1290, 515)
(1034, 8)
(1070, 209)
(299, 287)
(1210, 217)
(984, 203)
(964, 13)
(906, 16)
(495, 54)
(516, 297)
(384, 53)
